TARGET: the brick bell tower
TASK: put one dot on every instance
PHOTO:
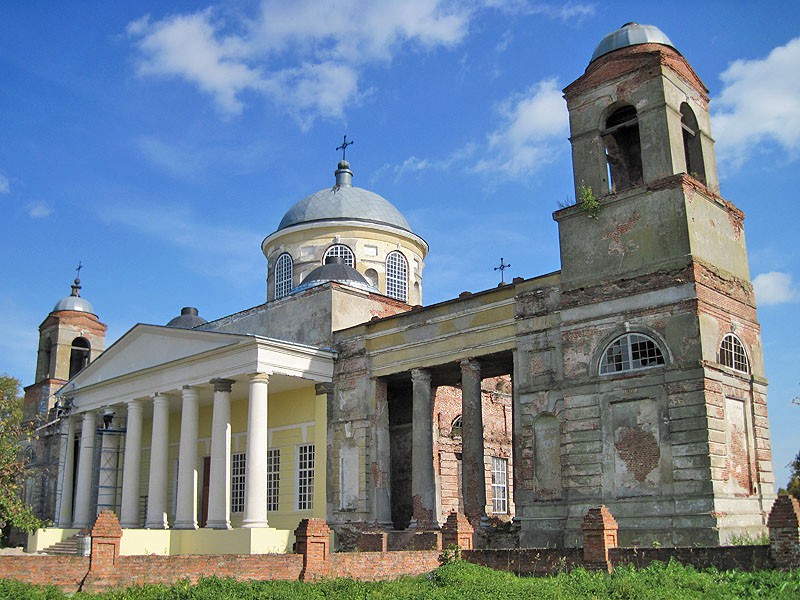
(69, 339)
(652, 249)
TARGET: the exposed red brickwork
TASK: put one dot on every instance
(457, 531)
(599, 534)
(526, 561)
(374, 566)
(313, 538)
(106, 535)
(784, 532)
(373, 541)
(639, 450)
(65, 572)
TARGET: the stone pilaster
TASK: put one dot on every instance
(255, 481)
(186, 509)
(131, 466)
(219, 500)
(157, 481)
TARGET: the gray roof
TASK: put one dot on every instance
(337, 272)
(75, 303)
(188, 319)
(343, 202)
(631, 34)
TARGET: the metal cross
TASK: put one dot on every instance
(78, 270)
(344, 146)
(502, 268)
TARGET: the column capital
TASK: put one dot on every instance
(222, 385)
(159, 399)
(421, 375)
(189, 391)
(135, 404)
(259, 377)
(323, 389)
(470, 365)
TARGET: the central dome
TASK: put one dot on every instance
(343, 202)
(631, 34)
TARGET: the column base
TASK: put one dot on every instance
(255, 524)
(185, 525)
(156, 526)
(218, 525)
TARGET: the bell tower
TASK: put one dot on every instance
(69, 339)
(651, 251)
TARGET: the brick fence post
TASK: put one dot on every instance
(313, 538)
(784, 532)
(106, 536)
(599, 534)
(457, 531)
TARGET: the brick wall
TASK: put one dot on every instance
(743, 558)
(373, 566)
(527, 561)
(66, 572)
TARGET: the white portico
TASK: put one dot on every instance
(181, 430)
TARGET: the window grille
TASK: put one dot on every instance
(499, 485)
(238, 462)
(273, 478)
(283, 276)
(732, 354)
(456, 427)
(340, 251)
(397, 276)
(631, 352)
(305, 477)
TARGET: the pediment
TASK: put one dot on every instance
(148, 346)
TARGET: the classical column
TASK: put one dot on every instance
(157, 482)
(83, 495)
(383, 465)
(109, 464)
(423, 477)
(219, 494)
(67, 465)
(255, 474)
(132, 467)
(473, 481)
(186, 510)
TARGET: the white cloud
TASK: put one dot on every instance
(5, 186)
(38, 210)
(760, 103)
(774, 288)
(532, 122)
(305, 55)
(567, 11)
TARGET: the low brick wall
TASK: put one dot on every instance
(527, 561)
(374, 566)
(66, 572)
(743, 558)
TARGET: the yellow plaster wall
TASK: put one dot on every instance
(43, 538)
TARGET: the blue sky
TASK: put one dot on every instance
(160, 142)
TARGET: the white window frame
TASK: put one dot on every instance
(305, 457)
(341, 251)
(733, 355)
(631, 352)
(283, 275)
(238, 467)
(397, 276)
(273, 479)
(499, 485)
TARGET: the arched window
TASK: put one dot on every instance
(630, 352)
(397, 276)
(79, 355)
(339, 251)
(283, 275)
(692, 147)
(732, 354)
(47, 358)
(456, 427)
(623, 148)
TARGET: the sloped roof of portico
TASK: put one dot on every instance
(153, 359)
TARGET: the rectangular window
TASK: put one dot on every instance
(499, 485)
(273, 478)
(238, 462)
(305, 477)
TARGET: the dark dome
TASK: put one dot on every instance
(338, 272)
(631, 34)
(188, 319)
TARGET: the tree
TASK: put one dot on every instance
(793, 486)
(13, 431)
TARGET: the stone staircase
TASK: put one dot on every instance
(72, 546)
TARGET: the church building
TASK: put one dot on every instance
(633, 377)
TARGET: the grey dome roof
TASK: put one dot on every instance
(631, 34)
(74, 301)
(344, 202)
(188, 319)
(337, 272)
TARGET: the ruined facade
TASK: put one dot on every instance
(633, 377)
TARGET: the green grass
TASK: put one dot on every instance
(462, 580)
